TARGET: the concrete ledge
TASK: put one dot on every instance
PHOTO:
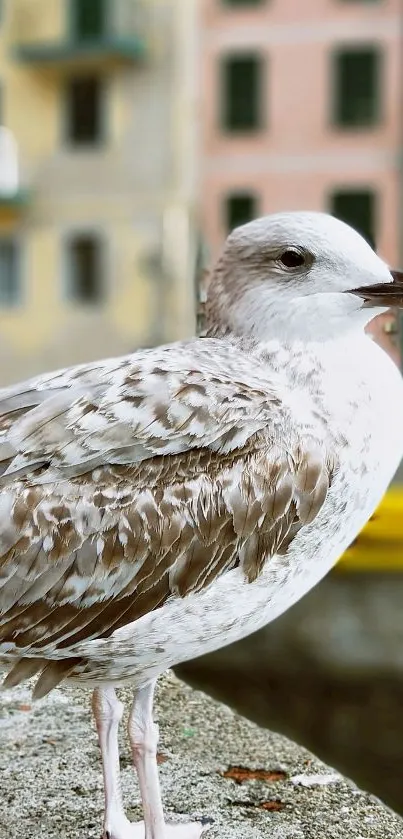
(50, 778)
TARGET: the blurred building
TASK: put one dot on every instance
(97, 215)
(302, 109)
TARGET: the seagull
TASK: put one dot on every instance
(158, 506)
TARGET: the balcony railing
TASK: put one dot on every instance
(66, 32)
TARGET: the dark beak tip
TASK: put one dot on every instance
(383, 295)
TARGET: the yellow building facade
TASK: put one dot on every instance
(97, 242)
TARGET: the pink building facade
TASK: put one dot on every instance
(297, 157)
(302, 108)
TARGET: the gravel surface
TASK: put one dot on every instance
(50, 776)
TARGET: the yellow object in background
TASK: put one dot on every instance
(379, 546)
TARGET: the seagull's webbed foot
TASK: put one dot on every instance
(193, 830)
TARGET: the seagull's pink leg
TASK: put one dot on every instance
(108, 712)
(143, 734)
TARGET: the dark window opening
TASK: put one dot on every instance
(10, 290)
(84, 269)
(241, 92)
(89, 19)
(358, 209)
(357, 86)
(84, 118)
(240, 208)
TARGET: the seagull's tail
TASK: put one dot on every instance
(51, 674)
(23, 669)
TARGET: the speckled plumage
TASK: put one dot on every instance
(188, 480)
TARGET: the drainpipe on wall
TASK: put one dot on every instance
(181, 212)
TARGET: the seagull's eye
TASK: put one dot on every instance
(292, 258)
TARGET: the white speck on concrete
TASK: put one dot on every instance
(316, 780)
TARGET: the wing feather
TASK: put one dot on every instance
(135, 480)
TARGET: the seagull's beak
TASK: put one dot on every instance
(382, 294)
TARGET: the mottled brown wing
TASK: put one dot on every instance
(84, 550)
(77, 565)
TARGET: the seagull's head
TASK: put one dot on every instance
(301, 275)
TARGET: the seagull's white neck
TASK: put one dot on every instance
(315, 318)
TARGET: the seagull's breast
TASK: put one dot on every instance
(358, 397)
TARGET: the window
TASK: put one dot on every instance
(84, 111)
(240, 207)
(84, 269)
(10, 289)
(357, 208)
(357, 86)
(89, 19)
(241, 92)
